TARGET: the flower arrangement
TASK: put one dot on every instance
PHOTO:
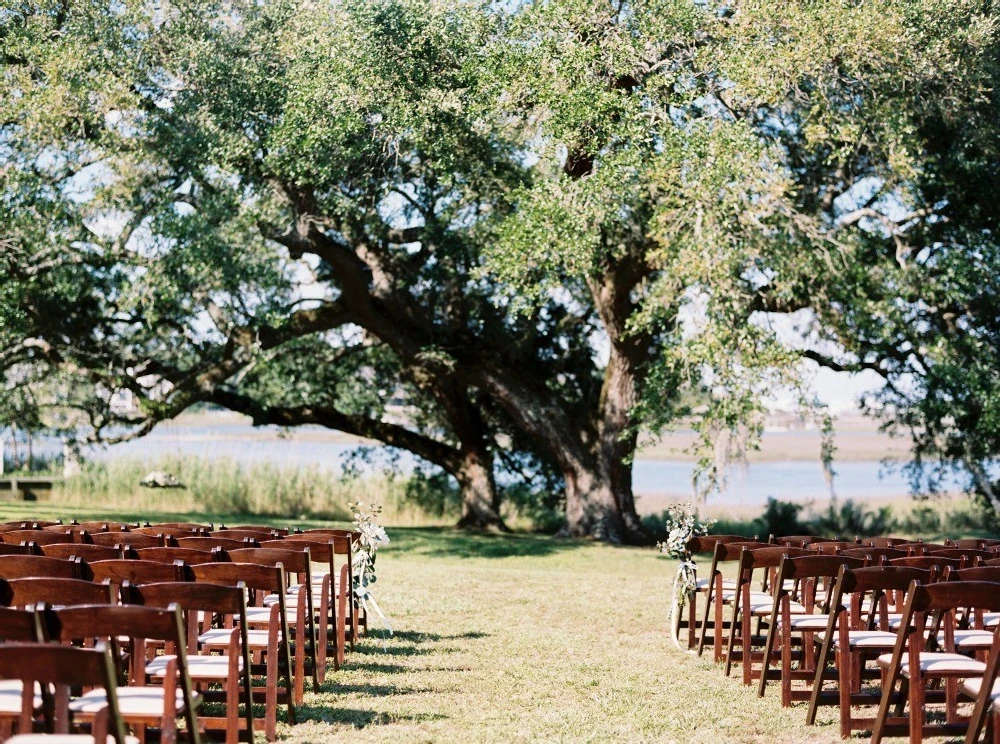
(682, 525)
(365, 548)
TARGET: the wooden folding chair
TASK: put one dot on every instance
(914, 666)
(701, 546)
(807, 575)
(748, 605)
(140, 703)
(272, 646)
(719, 593)
(343, 542)
(858, 629)
(206, 605)
(330, 586)
(128, 571)
(985, 691)
(297, 565)
(24, 626)
(65, 668)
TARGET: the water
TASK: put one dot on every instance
(747, 485)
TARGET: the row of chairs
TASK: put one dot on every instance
(247, 603)
(864, 618)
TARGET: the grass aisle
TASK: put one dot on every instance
(528, 638)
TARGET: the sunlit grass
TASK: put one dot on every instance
(529, 638)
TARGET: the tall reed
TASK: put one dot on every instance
(224, 486)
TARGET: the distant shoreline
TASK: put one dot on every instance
(856, 439)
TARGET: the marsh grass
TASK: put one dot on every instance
(222, 486)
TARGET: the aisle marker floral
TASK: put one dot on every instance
(682, 526)
(365, 549)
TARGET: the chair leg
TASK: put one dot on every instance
(844, 685)
(692, 611)
(888, 683)
(703, 630)
(766, 664)
(735, 625)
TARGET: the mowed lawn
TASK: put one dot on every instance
(524, 638)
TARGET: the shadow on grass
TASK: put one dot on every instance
(441, 542)
(373, 690)
(362, 718)
(420, 643)
(376, 668)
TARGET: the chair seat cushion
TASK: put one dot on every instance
(971, 638)
(974, 685)
(10, 695)
(728, 594)
(139, 702)
(199, 667)
(864, 639)
(991, 619)
(937, 663)
(701, 585)
(263, 614)
(807, 622)
(63, 739)
(765, 608)
(219, 638)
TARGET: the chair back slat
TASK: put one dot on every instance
(32, 566)
(171, 555)
(30, 592)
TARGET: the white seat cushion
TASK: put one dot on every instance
(63, 739)
(971, 638)
(199, 667)
(219, 637)
(10, 695)
(936, 663)
(974, 685)
(728, 594)
(807, 622)
(263, 614)
(864, 639)
(765, 608)
(701, 585)
(991, 619)
(141, 702)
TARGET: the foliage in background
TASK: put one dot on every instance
(303, 212)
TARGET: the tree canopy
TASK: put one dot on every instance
(540, 224)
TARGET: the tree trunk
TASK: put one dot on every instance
(480, 500)
(591, 507)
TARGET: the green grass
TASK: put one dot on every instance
(528, 638)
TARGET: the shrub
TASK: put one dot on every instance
(851, 518)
